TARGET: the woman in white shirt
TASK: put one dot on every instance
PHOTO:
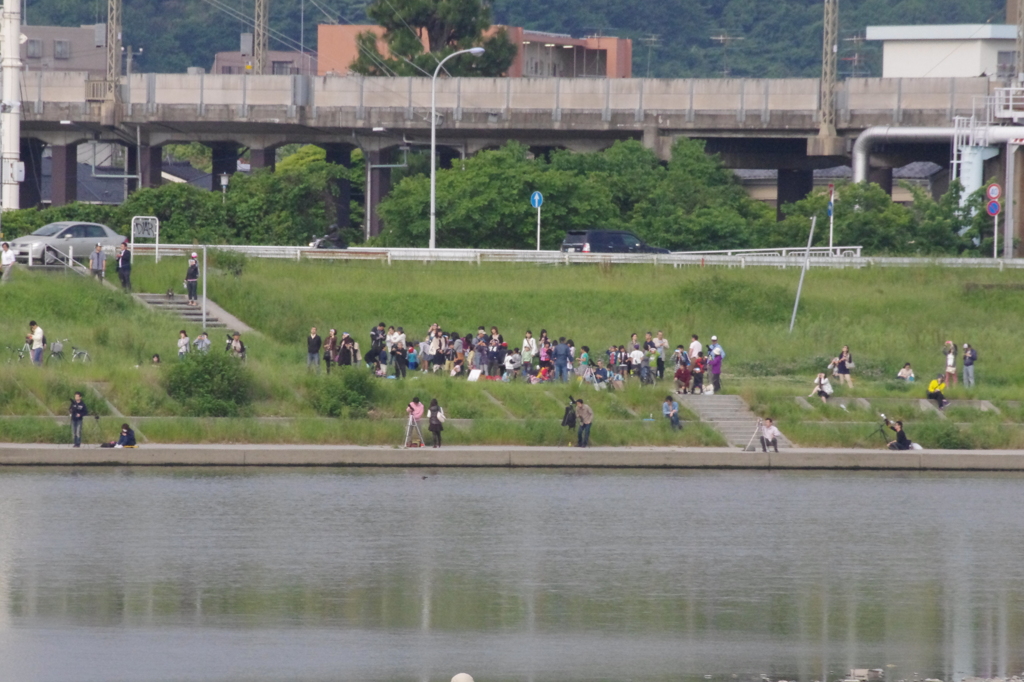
(822, 387)
(529, 348)
(182, 343)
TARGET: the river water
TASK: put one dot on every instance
(375, 574)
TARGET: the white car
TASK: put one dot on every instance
(66, 236)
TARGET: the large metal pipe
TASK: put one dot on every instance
(879, 134)
(10, 118)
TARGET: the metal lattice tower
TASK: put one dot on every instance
(829, 55)
(113, 50)
(260, 36)
(1019, 75)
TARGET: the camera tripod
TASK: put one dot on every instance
(880, 430)
(755, 438)
(413, 423)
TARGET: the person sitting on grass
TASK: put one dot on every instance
(822, 387)
(600, 376)
(906, 374)
(935, 389)
(670, 408)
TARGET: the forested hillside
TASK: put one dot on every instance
(768, 38)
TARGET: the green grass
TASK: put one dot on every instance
(887, 316)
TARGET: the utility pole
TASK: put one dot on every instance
(829, 53)
(10, 108)
(651, 42)
(260, 37)
(724, 40)
(113, 50)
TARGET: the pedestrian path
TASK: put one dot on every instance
(729, 415)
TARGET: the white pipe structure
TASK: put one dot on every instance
(10, 107)
(475, 51)
(1011, 136)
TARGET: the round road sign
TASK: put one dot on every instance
(536, 199)
(994, 208)
(994, 191)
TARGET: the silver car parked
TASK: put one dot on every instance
(66, 237)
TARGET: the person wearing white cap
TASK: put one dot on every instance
(192, 278)
(98, 262)
(713, 345)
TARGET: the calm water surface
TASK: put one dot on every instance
(205, 574)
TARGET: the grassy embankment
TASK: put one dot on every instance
(888, 317)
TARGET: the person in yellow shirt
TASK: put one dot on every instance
(935, 389)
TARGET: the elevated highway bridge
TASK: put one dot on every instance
(751, 123)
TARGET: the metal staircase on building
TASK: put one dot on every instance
(729, 415)
(178, 305)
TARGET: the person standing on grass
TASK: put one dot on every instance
(38, 340)
(970, 357)
(697, 367)
(98, 263)
(935, 389)
(78, 412)
(182, 344)
(950, 352)
(584, 418)
(670, 408)
(715, 345)
(192, 279)
(124, 267)
(332, 348)
(529, 348)
(313, 345)
(695, 347)
(7, 258)
(401, 359)
(560, 356)
(715, 365)
(661, 343)
(202, 343)
(770, 435)
(436, 419)
(844, 366)
(236, 346)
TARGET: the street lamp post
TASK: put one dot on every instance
(475, 51)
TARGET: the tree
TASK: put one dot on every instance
(420, 33)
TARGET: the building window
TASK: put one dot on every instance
(34, 49)
(62, 49)
(282, 68)
(1007, 64)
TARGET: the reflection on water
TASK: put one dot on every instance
(202, 574)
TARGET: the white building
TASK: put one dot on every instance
(950, 51)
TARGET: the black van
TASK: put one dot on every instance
(606, 241)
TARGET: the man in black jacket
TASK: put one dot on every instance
(124, 267)
(901, 442)
(78, 412)
(313, 344)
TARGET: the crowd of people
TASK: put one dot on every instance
(537, 359)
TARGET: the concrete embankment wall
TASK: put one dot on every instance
(513, 456)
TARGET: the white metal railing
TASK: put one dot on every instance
(1009, 103)
(792, 258)
(815, 252)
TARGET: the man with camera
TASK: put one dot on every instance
(901, 442)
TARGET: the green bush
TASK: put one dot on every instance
(347, 393)
(210, 384)
(229, 261)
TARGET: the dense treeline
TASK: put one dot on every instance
(690, 203)
(780, 38)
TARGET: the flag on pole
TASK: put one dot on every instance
(831, 198)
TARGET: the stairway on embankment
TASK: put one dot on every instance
(178, 305)
(729, 415)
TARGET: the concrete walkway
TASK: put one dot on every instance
(513, 456)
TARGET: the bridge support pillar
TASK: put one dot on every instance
(225, 160)
(64, 180)
(378, 184)
(262, 158)
(881, 177)
(152, 168)
(793, 185)
(30, 192)
(341, 154)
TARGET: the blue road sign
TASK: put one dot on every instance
(536, 199)
(994, 208)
